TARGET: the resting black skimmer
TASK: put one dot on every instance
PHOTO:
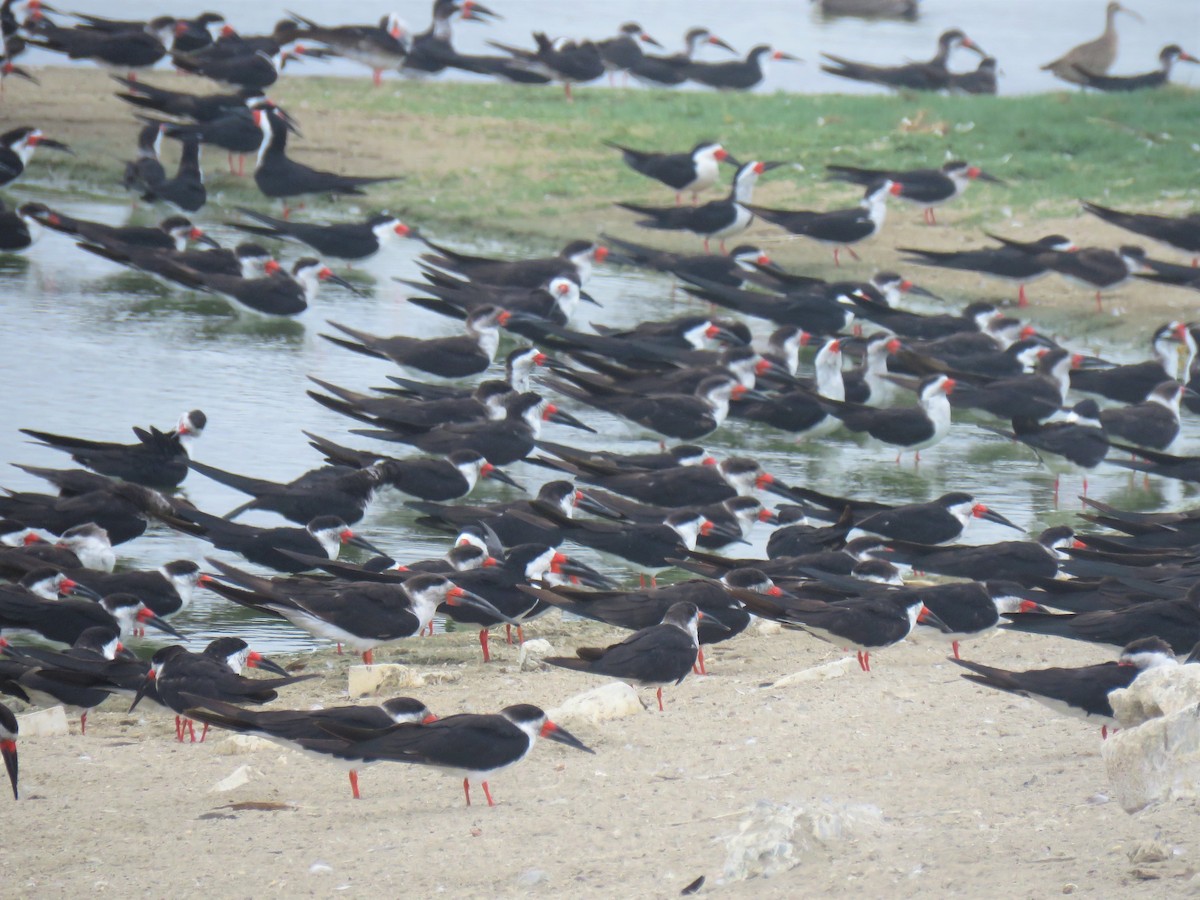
(1167, 58)
(158, 460)
(1083, 691)
(172, 233)
(17, 147)
(739, 75)
(926, 188)
(571, 62)
(279, 177)
(126, 51)
(343, 240)
(575, 259)
(1180, 232)
(693, 171)
(840, 227)
(933, 75)
(624, 51)
(658, 655)
(1012, 261)
(719, 219)
(19, 230)
(1153, 423)
(981, 81)
(672, 70)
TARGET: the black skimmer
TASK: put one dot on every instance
(1011, 261)
(933, 75)
(126, 51)
(1025, 562)
(84, 546)
(288, 727)
(657, 655)
(431, 51)
(730, 271)
(448, 357)
(400, 407)
(693, 171)
(1176, 621)
(323, 536)
(175, 671)
(575, 259)
(344, 240)
(250, 70)
(739, 75)
(1174, 352)
(648, 546)
(230, 43)
(1153, 423)
(471, 745)
(43, 682)
(120, 508)
(902, 9)
(172, 233)
(571, 62)
(672, 70)
(981, 81)
(279, 177)
(839, 227)
(198, 108)
(146, 170)
(64, 620)
(1083, 691)
(683, 416)
(1185, 468)
(185, 189)
(935, 522)
(362, 615)
(1093, 57)
(379, 47)
(812, 311)
(158, 460)
(18, 229)
(973, 321)
(234, 130)
(907, 428)
(164, 591)
(1098, 268)
(1167, 58)
(330, 490)
(624, 51)
(187, 34)
(501, 442)
(17, 146)
(666, 458)
(926, 188)
(692, 485)
(457, 299)
(716, 219)
(1079, 439)
(1180, 232)
(1037, 395)
(8, 745)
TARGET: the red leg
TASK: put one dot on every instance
(508, 634)
(487, 793)
(369, 657)
(850, 250)
(483, 642)
(567, 88)
(179, 729)
(706, 250)
(232, 171)
(1056, 477)
(203, 732)
(241, 164)
(520, 635)
(722, 245)
(1099, 305)
(354, 784)
(867, 660)
(1104, 732)
(954, 644)
(700, 661)
(837, 262)
(191, 729)
(467, 790)
(339, 648)
(678, 199)
(377, 77)
(659, 694)
(1022, 299)
(83, 723)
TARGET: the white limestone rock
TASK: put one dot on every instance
(373, 680)
(609, 701)
(50, 722)
(532, 653)
(835, 669)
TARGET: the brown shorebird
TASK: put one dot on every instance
(1094, 56)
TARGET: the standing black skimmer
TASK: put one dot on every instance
(981, 81)
(1174, 352)
(740, 75)
(1153, 423)
(288, 727)
(362, 615)
(323, 536)
(571, 62)
(575, 259)
(623, 52)
(716, 219)
(16, 150)
(926, 188)
(731, 271)
(907, 428)
(1098, 268)
(1078, 439)
(555, 303)
(175, 671)
(448, 357)
(672, 70)
(1167, 58)
(1081, 692)
(8, 745)
(252, 70)
(935, 522)
(145, 171)
(185, 189)
(839, 227)
(933, 75)
(1095, 56)
(648, 546)
(473, 746)
(330, 490)
(126, 51)
(343, 240)
(693, 171)
(1011, 261)
(658, 655)
(198, 108)
(404, 407)
(1180, 232)
(188, 35)
(234, 130)
(379, 47)
(1036, 396)
(120, 508)
(46, 678)
(279, 177)
(431, 51)
(158, 460)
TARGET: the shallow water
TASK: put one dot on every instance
(1021, 34)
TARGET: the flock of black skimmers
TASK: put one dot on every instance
(835, 566)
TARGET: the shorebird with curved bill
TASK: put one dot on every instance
(926, 188)
(840, 227)
(1082, 692)
(342, 240)
(693, 171)
(1167, 58)
(738, 75)
(718, 219)
(1095, 56)
(8, 745)
(672, 70)
(658, 655)
(289, 727)
(280, 177)
(158, 460)
(471, 745)
(933, 75)
(1180, 232)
